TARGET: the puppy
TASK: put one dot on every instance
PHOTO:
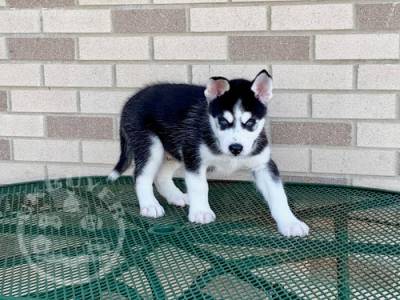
(220, 125)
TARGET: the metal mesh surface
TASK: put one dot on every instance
(84, 239)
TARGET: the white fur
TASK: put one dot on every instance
(274, 194)
(245, 117)
(227, 164)
(113, 176)
(228, 116)
(166, 186)
(148, 203)
(197, 186)
(237, 134)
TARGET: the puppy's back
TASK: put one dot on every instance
(166, 103)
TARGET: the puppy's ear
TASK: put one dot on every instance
(216, 86)
(262, 86)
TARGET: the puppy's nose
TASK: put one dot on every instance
(235, 149)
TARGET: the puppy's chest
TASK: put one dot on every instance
(225, 166)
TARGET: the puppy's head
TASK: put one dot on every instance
(237, 111)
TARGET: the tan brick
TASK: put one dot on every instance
(201, 73)
(378, 134)
(100, 152)
(311, 133)
(315, 179)
(386, 183)
(291, 159)
(19, 172)
(288, 106)
(80, 127)
(75, 75)
(312, 17)
(190, 47)
(43, 101)
(21, 125)
(354, 106)
(188, 1)
(39, 3)
(19, 21)
(139, 75)
(357, 46)
(114, 48)
(3, 101)
(149, 20)
(5, 153)
(61, 170)
(3, 48)
(103, 102)
(250, 18)
(363, 162)
(378, 16)
(64, 20)
(313, 76)
(269, 47)
(112, 2)
(20, 74)
(46, 150)
(265, 1)
(379, 77)
(41, 48)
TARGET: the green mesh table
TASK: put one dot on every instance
(83, 239)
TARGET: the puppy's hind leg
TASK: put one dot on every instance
(148, 157)
(165, 185)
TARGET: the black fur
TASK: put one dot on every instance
(273, 169)
(179, 115)
(260, 143)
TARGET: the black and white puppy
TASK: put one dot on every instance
(220, 125)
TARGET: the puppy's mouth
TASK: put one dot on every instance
(239, 155)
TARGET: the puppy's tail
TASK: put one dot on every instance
(125, 160)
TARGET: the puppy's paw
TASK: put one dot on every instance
(179, 199)
(152, 210)
(293, 228)
(202, 216)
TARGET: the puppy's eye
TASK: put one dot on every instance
(249, 125)
(223, 123)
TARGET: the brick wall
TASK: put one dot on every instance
(67, 66)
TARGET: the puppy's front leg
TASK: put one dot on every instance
(270, 185)
(197, 190)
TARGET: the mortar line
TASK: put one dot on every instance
(355, 76)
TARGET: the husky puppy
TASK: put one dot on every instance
(220, 125)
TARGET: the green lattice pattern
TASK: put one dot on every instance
(353, 251)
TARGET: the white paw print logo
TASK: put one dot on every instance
(41, 245)
(71, 203)
(46, 221)
(91, 222)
